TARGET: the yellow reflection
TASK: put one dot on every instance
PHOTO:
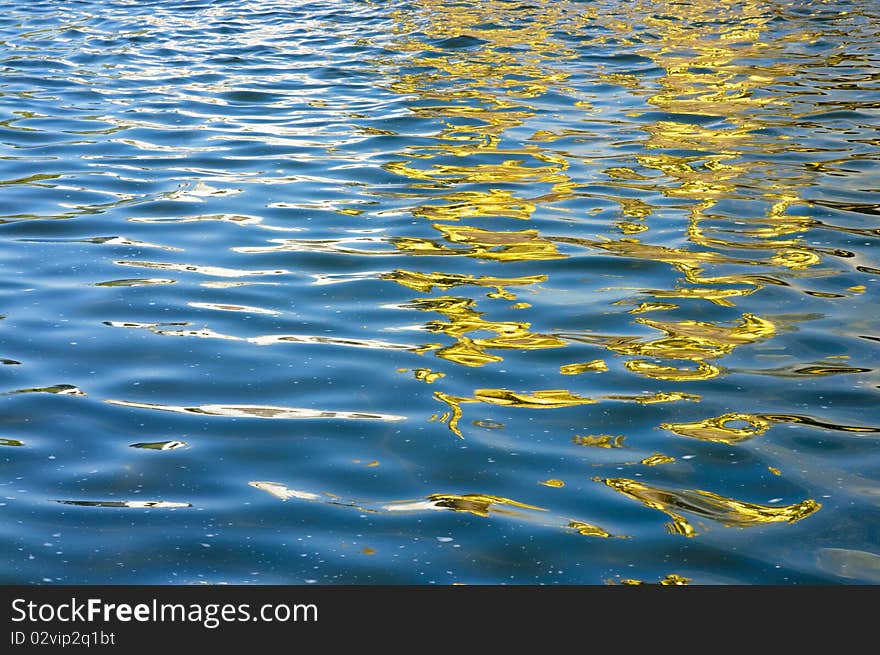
(427, 375)
(474, 96)
(600, 440)
(704, 371)
(425, 282)
(587, 529)
(628, 227)
(476, 204)
(716, 296)
(657, 459)
(543, 399)
(505, 172)
(518, 246)
(574, 369)
(720, 75)
(705, 504)
(694, 340)
(673, 579)
(478, 504)
(463, 320)
(719, 429)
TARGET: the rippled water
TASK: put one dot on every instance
(428, 291)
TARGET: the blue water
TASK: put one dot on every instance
(434, 292)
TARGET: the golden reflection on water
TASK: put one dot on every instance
(515, 246)
(542, 399)
(582, 367)
(728, 512)
(463, 319)
(673, 579)
(476, 96)
(475, 174)
(718, 428)
(657, 459)
(587, 529)
(600, 440)
(425, 282)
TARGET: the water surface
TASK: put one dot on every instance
(434, 292)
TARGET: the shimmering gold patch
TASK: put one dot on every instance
(523, 245)
(717, 428)
(600, 440)
(542, 399)
(694, 340)
(652, 307)
(425, 282)
(830, 370)
(574, 369)
(463, 319)
(703, 371)
(587, 529)
(477, 204)
(671, 579)
(656, 459)
(795, 259)
(427, 375)
(726, 511)
(628, 227)
(717, 296)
